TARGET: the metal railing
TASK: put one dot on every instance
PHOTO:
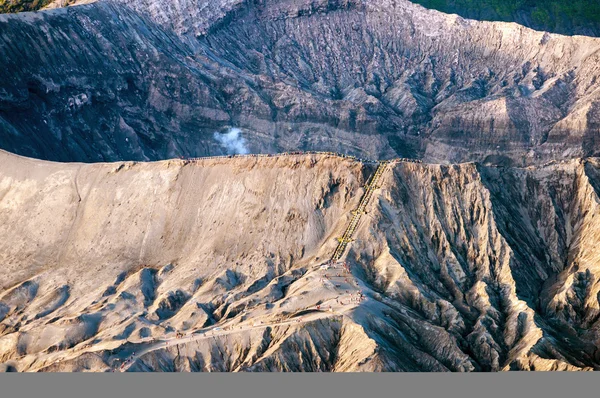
(358, 212)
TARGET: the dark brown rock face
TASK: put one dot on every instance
(151, 79)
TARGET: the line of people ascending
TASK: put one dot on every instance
(127, 361)
(268, 155)
(345, 273)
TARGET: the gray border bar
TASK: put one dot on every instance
(264, 385)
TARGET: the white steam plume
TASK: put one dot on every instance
(233, 142)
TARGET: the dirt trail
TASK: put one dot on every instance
(218, 331)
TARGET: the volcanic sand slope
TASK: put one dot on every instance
(462, 268)
(153, 79)
(102, 252)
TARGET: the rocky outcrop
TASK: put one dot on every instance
(148, 79)
(500, 261)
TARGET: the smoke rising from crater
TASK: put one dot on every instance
(233, 142)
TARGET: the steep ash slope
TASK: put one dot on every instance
(95, 254)
(148, 79)
(463, 268)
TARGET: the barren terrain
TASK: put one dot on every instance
(217, 265)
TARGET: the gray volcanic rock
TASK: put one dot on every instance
(151, 79)
(100, 82)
